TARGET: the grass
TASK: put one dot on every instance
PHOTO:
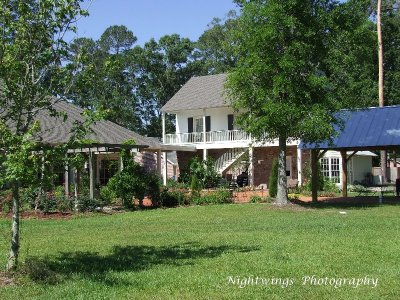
(190, 253)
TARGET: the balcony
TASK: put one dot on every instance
(222, 136)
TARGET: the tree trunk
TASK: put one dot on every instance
(14, 250)
(314, 175)
(380, 80)
(281, 197)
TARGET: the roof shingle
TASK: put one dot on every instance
(198, 93)
(55, 131)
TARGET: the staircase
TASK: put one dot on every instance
(228, 158)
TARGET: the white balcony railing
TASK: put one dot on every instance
(211, 137)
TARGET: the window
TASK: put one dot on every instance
(230, 122)
(198, 124)
(330, 168)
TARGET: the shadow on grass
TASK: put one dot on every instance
(96, 267)
(359, 202)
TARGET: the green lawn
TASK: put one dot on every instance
(190, 253)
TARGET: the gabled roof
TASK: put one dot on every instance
(374, 128)
(198, 93)
(55, 131)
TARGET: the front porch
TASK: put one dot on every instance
(221, 136)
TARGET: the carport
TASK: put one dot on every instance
(373, 129)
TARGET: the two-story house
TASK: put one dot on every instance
(205, 126)
(206, 122)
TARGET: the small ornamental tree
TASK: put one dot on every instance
(280, 84)
(31, 51)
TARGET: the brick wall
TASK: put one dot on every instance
(263, 158)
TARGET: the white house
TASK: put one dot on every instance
(205, 125)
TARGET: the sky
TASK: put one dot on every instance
(151, 18)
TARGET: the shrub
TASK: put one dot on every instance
(46, 202)
(152, 182)
(128, 183)
(5, 200)
(173, 198)
(259, 199)
(216, 197)
(203, 170)
(107, 195)
(273, 179)
(85, 203)
(195, 186)
(330, 186)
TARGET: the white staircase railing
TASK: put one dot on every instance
(228, 158)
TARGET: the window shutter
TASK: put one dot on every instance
(208, 123)
(190, 125)
(230, 122)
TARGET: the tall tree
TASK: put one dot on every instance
(213, 45)
(103, 78)
(117, 39)
(352, 60)
(31, 50)
(390, 20)
(161, 68)
(280, 78)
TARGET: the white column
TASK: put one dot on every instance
(299, 168)
(163, 126)
(121, 162)
(66, 177)
(205, 153)
(251, 166)
(165, 168)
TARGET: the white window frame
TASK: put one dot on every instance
(331, 168)
(198, 125)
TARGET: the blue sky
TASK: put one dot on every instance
(152, 18)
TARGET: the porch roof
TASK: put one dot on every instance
(373, 128)
(54, 130)
(198, 93)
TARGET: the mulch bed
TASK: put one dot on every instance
(40, 215)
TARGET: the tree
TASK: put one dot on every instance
(352, 60)
(280, 77)
(161, 68)
(103, 76)
(391, 40)
(117, 39)
(31, 50)
(213, 45)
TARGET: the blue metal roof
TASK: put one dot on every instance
(373, 128)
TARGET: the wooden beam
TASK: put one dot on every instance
(344, 172)
(92, 172)
(314, 174)
(351, 155)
